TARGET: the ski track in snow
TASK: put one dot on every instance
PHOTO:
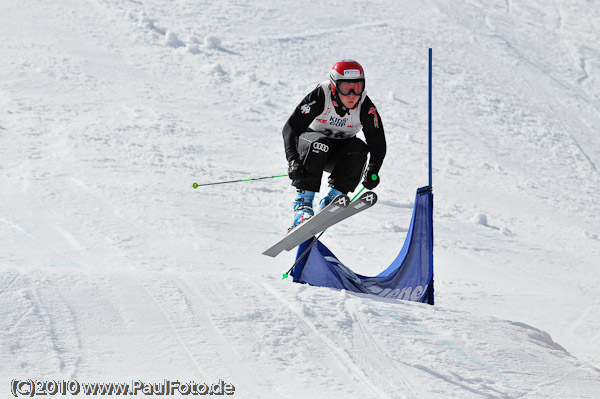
(344, 360)
(202, 308)
(177, 331)
(50, 324)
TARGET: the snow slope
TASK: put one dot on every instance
(114, 269)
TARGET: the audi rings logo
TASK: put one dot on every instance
(321, 147)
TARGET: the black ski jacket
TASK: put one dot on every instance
(300, 120)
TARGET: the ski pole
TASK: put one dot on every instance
(196, 185)
(359, 193)
(315, 239)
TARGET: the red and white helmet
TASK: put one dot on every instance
(348, 71)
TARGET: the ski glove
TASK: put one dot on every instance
(295, 169)
(371, 179)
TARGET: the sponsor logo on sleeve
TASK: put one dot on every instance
(305, 109)
(373, 111)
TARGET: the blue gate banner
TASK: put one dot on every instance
(409, 277)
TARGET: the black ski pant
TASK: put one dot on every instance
(344, 159)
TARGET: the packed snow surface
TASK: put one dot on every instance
(114, 269)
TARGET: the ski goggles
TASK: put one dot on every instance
(356, 87)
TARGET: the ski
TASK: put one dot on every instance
(310, 227)
(360, 204)
(313, 225)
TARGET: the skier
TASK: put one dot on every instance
(320, 135)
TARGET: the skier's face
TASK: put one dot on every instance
(350, 100)
(349, 92)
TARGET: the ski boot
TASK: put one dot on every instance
(329, 197)
(303, 207)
